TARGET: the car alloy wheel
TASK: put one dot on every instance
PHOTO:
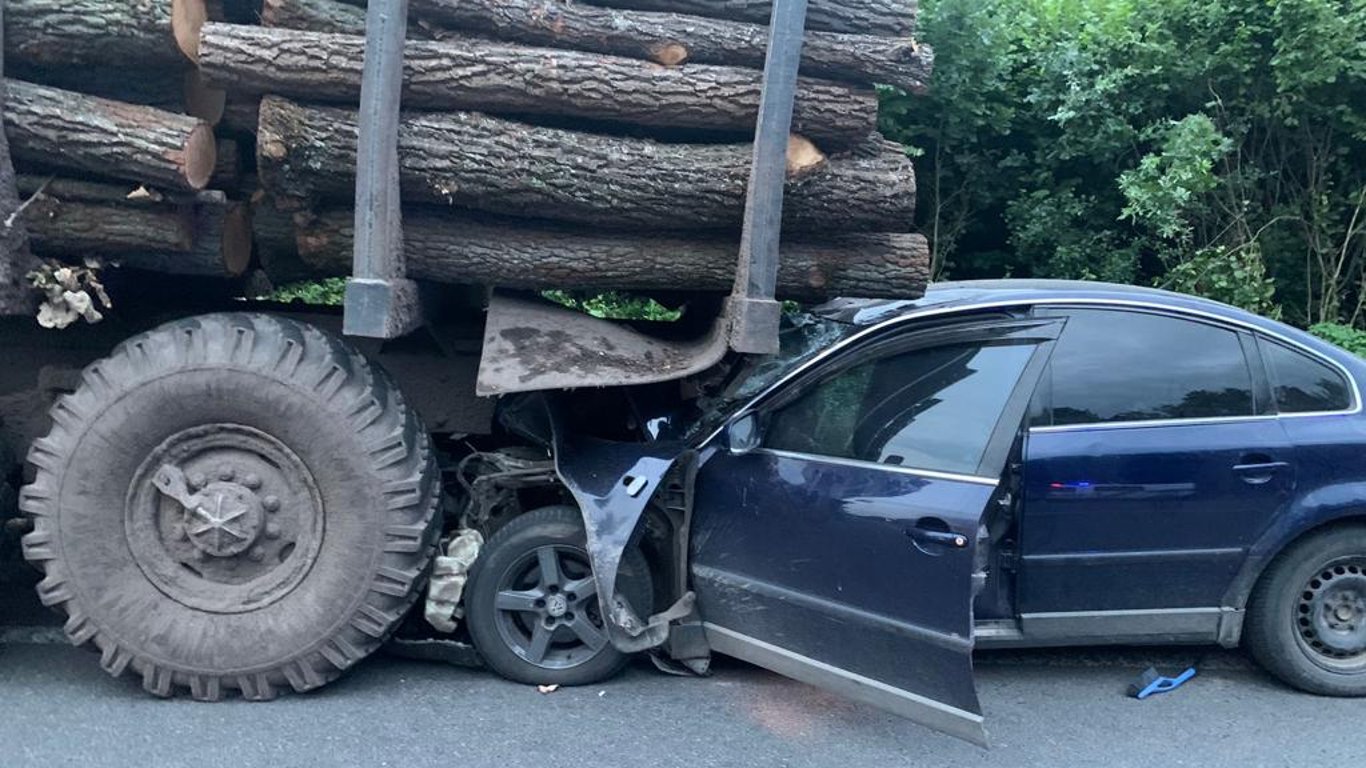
(547, 608)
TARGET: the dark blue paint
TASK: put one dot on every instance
(1123, 538)
(813, 556)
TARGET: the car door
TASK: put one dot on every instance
(1152, 464)
(834, 538)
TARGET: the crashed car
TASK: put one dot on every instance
(1008, 463)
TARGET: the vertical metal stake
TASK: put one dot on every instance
(754, 314)
(380, 301)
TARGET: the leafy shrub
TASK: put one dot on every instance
(1351, 339)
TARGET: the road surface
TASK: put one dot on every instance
(1045, 708)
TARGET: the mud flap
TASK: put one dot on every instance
(532, 345)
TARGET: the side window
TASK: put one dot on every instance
(933, 408)
(1117, 366)
(1303, 384)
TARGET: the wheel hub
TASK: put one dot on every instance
(225, 521)
(547, 608)
(224, 518)
(1331, 614)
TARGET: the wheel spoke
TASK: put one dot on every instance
(513, 600)
(582, 589)
(549, 560)
(588, 632)
(540, 643)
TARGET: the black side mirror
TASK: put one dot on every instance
(742, 435)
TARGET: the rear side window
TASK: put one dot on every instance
(1304, 384)
(1115, 366)
(933, 408)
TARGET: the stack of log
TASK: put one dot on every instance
(592, 144)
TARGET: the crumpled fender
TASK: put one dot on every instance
(612, 483)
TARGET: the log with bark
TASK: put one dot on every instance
(518, 80)
(199, 234)
(453, 248)
(471, 160)
(672, 39)
(103, 32)
(894, 18)
(64, 129)
(314, 16)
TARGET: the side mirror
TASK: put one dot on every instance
(742, 435)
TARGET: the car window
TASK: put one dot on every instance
(1116, 366)
(1304, 384)
(933, 408)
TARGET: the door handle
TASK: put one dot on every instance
(934, 532)
(1258, 468)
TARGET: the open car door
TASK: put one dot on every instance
(838, 518)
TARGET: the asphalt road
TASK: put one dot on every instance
(57, 708)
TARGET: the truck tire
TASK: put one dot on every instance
(512, 565)
(232, 502)
(1306, 620)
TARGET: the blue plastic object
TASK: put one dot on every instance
(1150, 682)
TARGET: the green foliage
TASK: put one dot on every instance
(1208, 146)
(328, 292)
(615, 306)
(1351, 339)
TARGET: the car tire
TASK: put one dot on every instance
(1294, 628)
(301, 532)
(511, 563)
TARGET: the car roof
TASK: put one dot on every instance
(970, 293)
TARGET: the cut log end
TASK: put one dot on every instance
(803, 156)
(201, 156)
(237, 239)
(187, 18)
(201, 100)
(669, 54)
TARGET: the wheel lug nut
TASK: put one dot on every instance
(258, 554)
(181, 533)
(272, 531)
(226, 473)
(252, 481)
(271, 503)
(198, 480)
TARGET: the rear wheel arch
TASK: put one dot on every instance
(1265, 554)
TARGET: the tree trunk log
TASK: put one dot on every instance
(103, 32)
(109, 138)
(203, 234)
(241, 113)
(166, 88)
(893, 18)
(227, 167)
(451, 248)
(672, 39)
(314, 16)
(470, 160)
(527, 81)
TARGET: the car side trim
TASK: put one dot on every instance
(846, 614)
(1097, 558)
(941, 717)
(1156, 625)
(926, 473)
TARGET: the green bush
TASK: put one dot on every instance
(1345, 336)
(1213, 147)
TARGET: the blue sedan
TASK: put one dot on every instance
(1019, 463)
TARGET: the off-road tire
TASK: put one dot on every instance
(368, 464)
(555, 525)
(1270, 633)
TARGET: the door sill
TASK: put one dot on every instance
(928, 712)
(1137, 627)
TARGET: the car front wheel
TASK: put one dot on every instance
(1306, 621)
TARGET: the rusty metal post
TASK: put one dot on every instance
(754, 314)
(381, 302)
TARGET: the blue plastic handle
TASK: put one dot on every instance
(1164, 684)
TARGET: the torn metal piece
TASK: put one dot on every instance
(450, 571)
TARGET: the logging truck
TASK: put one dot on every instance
(230, 495)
